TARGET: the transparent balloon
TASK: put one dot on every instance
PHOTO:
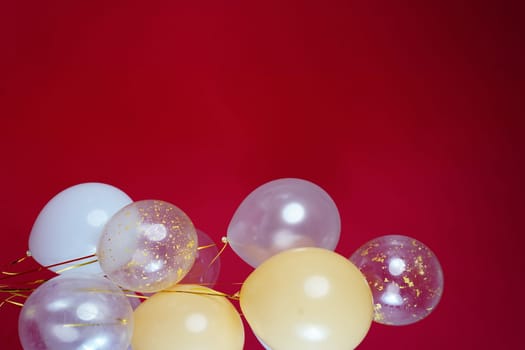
(405, 277)
(76, 311)
(206, 268)
(70, 224)
(283, 214)
(147, 246)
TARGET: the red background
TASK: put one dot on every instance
(410, 115)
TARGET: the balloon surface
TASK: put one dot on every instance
(266, 347)
(70, 224)
(307, 298)
(203, 271)
(187, 317)
(280, 215)
(76, 311)
(148, 246)
(405, 277)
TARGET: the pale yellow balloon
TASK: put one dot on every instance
(187, 317)
(308, 298)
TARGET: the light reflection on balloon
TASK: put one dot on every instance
(293, 213)
(405, 277)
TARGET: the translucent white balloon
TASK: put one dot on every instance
(76, 311)
(281, 215)
(70, 224)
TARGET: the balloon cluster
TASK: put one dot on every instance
(108, 251)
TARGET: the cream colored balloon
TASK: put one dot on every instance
(185, 317)
(308, 298)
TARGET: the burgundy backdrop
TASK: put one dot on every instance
(410, 115)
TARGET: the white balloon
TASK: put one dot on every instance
(70, 224)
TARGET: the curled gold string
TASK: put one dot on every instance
(16, 262)
(70, 261)
(9, 301)
(16, 290)
(205, 292)
(14, 303)
(19, 260)
(136, 296)
(97, 290)
(22, 259)
(120, 321)
(224, 240)
(7, 287)
(40, 281)
(76, 266)
(206, 246)
(10, 274)
(15, 294)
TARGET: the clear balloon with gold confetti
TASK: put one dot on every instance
(405, 276)
(148, 246)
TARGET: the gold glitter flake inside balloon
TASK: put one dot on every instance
(148, 246)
